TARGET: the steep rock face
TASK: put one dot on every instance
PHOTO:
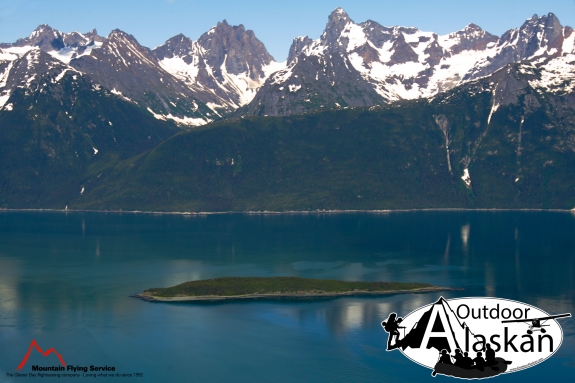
(63, 46)
(225, 66)
(177, 46)
(228, 70)
(29, 72)
(319, 76)
(402, 52)
(234, 48)
(538, 37)
(471, 38)
(44, 37)
(132, 71)
(312, 84)
(189, 82)
(398, 63)
(298, 45)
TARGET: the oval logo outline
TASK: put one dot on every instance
(473, 319)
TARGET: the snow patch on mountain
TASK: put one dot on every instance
(557, 75)
(494, 108)
(187, 121)
(119, 94)
(4, 75)
(466, 178)
(60, 76)
(406, 63)
(569, 44)
(282, 75)
(19, 51)
(4, 97)
(67, 54)
(273, 67)
(355, 36)
(180, 69)
(241, 85)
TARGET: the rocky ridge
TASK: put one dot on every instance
(368, 64)
(227, 70)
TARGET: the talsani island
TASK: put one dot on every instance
(277, 287)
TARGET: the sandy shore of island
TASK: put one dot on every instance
(199, 298)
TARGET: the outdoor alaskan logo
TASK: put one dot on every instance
(475, 338)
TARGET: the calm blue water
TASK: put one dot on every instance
(65, 281)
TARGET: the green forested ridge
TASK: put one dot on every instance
(389, 157)
(349, 159)
(47, 141)
(231, 286)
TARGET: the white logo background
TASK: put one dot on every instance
(460, 315)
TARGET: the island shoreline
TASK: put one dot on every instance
(211, 298)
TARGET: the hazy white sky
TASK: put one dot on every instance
(275, 23)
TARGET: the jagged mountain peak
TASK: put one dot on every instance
(118, 38)
(338, 14)
(41, 29)
(470, 38)
(337, 22)
(177, 46)
(224, 28)
(544, 22)
(351, 64)
(236, 48)
(94, 36)
(49, 39)
(299, 44)
(226, 65)
(44, 37)
(119, 34)
(177, 41)
(399, 62)
(179, 37)
(224, 23)
(472, 27)
(539, 36)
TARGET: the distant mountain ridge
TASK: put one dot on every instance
(228, 70)
(189, 82)
(368, 64)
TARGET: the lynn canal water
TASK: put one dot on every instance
(65, 281)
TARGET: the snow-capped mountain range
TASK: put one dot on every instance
(368, 64)
(229, 70)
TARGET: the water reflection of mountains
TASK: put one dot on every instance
(476, 249)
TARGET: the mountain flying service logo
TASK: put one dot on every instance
(475, 338)
(34, 345)
(64, 369)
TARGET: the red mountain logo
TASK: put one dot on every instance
(33, 345)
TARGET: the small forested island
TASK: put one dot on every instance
(276, 287)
